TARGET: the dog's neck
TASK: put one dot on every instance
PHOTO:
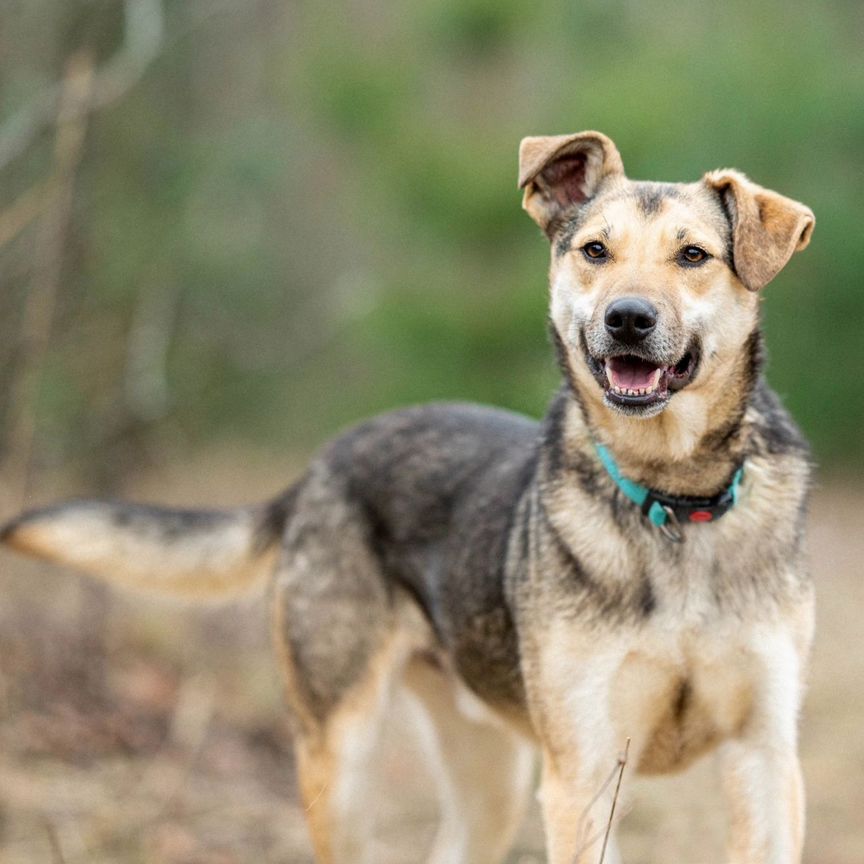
(691, 448)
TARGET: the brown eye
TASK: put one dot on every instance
(691, 255)
(595, 251)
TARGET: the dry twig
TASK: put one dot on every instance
(586, 843)
(622, 761)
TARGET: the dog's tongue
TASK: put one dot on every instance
(633, 373)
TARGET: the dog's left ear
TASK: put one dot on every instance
(767, 228)
(560, 171)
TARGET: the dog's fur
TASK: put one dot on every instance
(490, 568)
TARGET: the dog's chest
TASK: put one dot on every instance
(686, 678)
(678, 694)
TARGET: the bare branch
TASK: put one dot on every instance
(42, 296)
(22, 128)
(144, 39)
(143, 33)
(24, 210)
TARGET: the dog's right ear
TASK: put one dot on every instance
(559, 172)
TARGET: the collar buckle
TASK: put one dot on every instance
(671, 528)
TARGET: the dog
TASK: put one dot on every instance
(630, 571)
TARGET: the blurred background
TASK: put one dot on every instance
(229, 229)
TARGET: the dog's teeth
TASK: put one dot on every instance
(634, 391)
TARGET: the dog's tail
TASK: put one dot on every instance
(183, 553)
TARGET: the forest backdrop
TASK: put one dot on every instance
(229, 228)
(256, 222)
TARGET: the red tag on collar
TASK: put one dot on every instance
(700, 516)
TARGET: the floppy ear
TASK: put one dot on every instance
(560, 171)
(766, 227)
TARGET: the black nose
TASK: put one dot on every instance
(630, 319)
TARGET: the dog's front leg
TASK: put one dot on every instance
(765, 797)
(576, 811)
(569, 689)
(760, 768)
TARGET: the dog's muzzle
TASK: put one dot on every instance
(636, 379)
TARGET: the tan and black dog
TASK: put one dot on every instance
(630, 567)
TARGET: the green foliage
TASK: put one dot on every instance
(330, 199)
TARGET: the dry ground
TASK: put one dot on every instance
(133, 731)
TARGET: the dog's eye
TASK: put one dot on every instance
(595, 250)
(690, 255)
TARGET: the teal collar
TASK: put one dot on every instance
(670, 512)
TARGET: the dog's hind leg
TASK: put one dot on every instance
(340, 630)
(482, 769)
(336, 761)
(336, 770)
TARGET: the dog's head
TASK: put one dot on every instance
(654, 285)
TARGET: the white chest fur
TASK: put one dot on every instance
(675, 687)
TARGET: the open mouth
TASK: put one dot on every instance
(635, 382)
